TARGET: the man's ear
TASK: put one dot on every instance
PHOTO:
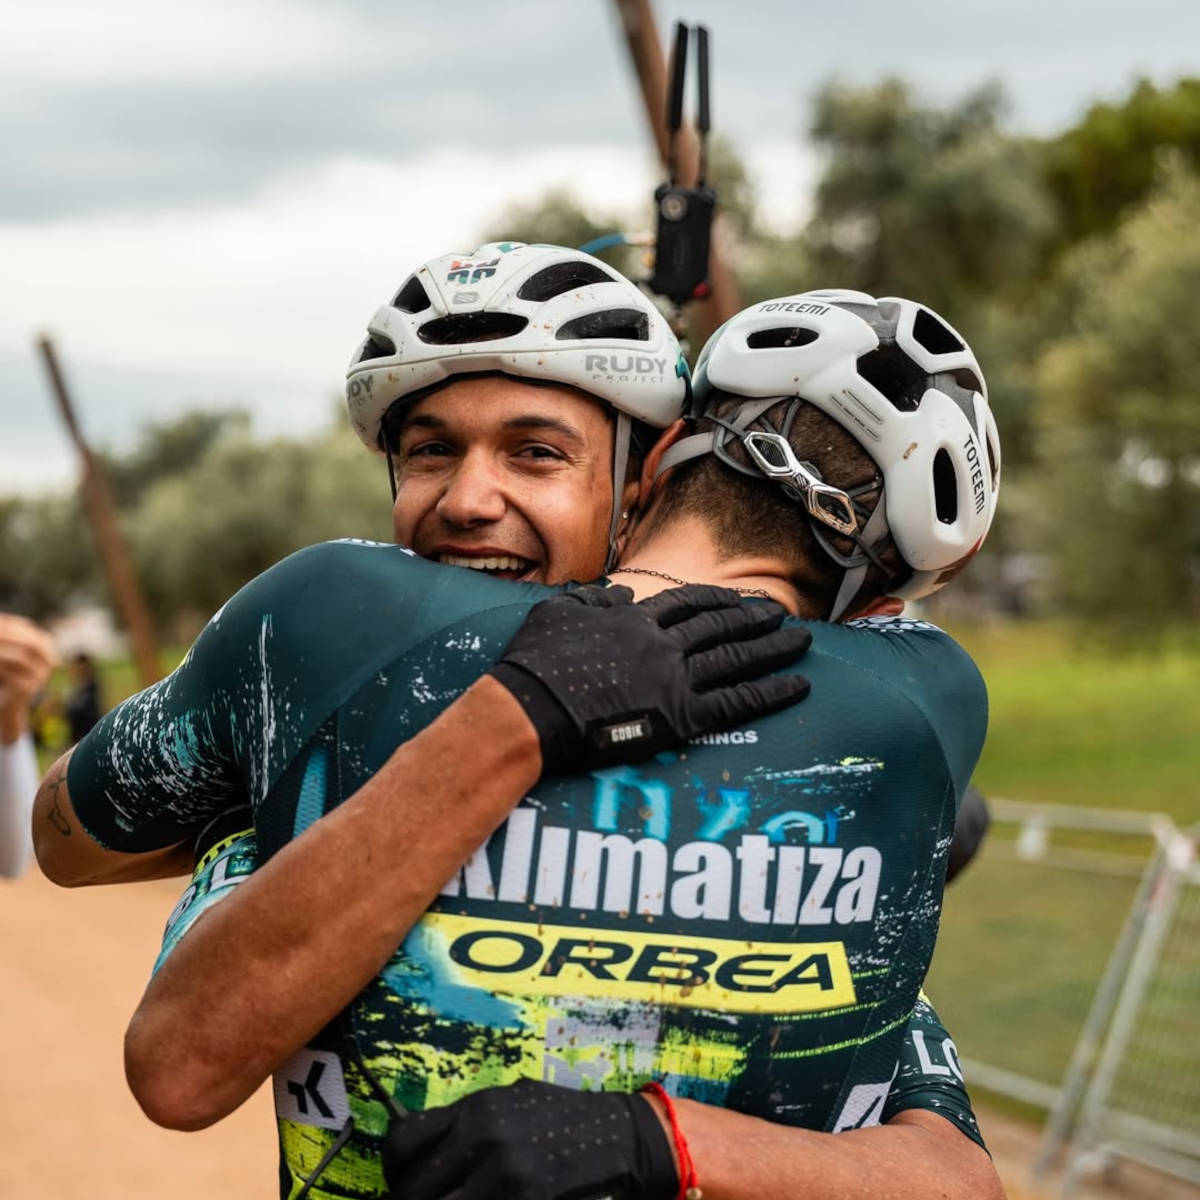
(669, 436)
(636, 497)
(629, 511)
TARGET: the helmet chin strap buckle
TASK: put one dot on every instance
(772, 454)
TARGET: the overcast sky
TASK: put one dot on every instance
(204, 201)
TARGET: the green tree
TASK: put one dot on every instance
(166, 448)
(207, 506)
(939, 204)
(1120, 422)
(47, 559)
(1109, 162)
(933, 203)
(201, 534)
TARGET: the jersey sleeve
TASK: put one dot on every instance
(265, 671)
(929, 1076)
(932, 671)
(225, 864)
(158, 767)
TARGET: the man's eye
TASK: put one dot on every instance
(540, 451)
(426, 450)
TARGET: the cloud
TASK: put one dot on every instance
(259, 304)
(291, 275)
(109, 107)
(209, 207)
(114, 403)
(115, 108)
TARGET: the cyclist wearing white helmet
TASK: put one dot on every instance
(749, 921)
(912, 443)
(539, 314)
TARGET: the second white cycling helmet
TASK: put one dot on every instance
(904, 384)
(536, 311)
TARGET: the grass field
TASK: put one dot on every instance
(1073, 725)
(1023, 945)
(1021, 949)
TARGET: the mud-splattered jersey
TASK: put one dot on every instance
(748, 920)
(927, 1074)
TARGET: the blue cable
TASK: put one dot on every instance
(606, 242)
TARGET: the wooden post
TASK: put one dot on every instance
(650, 67)
(101, 515)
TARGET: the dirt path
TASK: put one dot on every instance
(1014, 1144)
(72, 966)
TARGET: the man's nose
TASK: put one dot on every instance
(473, 494)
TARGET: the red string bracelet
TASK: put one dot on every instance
(689, 1189)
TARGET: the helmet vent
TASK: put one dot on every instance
(945, 488)
(625, 323)
(769, 339)
(463, 328)
(377, 345)
(993, 462)
(562, 277)
(890, 371)
(934, 335)
(966, 378)
(412, 297)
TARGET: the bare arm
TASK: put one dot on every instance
(70, 857)
(916, 1156)
(265, 969)
(27, 656)
(251, 981)
(488, 1135)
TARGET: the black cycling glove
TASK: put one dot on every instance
(532, 1141)
(606, 681)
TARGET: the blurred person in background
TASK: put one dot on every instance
(27, 656)
(315, 1132)
(82, 705)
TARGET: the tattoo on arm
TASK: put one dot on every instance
(55, 816)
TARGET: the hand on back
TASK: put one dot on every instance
(604, 680)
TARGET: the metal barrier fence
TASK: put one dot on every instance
(1068, 970)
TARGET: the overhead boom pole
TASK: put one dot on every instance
(650, 68)
(101, 515)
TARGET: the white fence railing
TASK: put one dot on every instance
(1080, 928)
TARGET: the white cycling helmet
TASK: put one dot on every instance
(535, 311)
(904, 384)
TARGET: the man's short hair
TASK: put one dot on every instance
(753, 515)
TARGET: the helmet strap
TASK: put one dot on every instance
(385, 436)
(856, 565)
(621, 438)
(391, 469)
(699, 444)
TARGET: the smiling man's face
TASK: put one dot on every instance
(504, 476)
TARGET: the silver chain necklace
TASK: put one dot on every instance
(684, 582)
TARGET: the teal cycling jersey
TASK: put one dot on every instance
(747, 919)
(928, 1073)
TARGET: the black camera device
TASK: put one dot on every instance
(684, 214)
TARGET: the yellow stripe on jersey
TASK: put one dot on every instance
(217, 849)
(516, 958)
